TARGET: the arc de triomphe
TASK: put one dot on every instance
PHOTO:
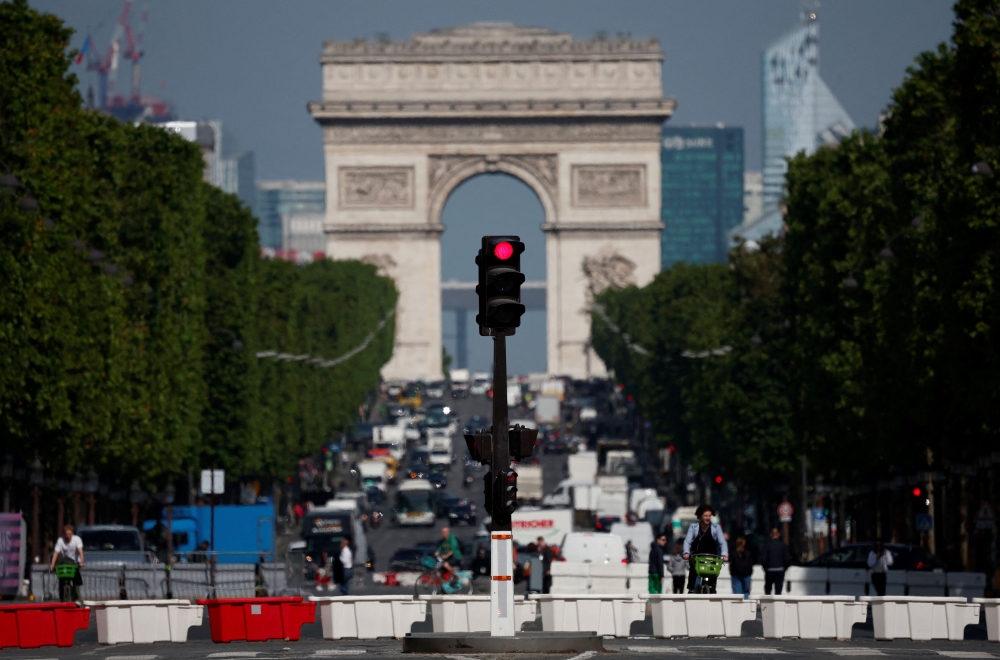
(577, 121)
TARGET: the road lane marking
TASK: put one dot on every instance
(132, 657)
(234, 654)
(584, 655)
(654, 649)
(753, 650)
(966, 654)
(851, 651)
(325, 653)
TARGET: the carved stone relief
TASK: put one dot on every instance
(564, 131)
(384, 263)
(609, 185)
(376, 187)
(606, 269)
(543, 166)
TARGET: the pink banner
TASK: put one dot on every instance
(11, 552)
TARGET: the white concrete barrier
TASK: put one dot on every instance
(921, 618)
(369, 617)
(757, 581)
(806, 581)
(145, 621)
(608, 578)
(925, 584)
(991, 612)
(471, 613)
(570, 577)
(848, 581)
(700, 615)
(966, 585)
(638, 578)
(604, 614)
(811, 617)
(895, 584)
(724, 583)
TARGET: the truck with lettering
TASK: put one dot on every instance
(551, 524)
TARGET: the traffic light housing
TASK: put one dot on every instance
(499, 287)
(480, 446)
(508, 488)
(488, 492)
(521, 441)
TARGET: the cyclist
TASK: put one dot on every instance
(68, 551)
(449, 550)
(704, 537)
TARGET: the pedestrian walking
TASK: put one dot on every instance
(775, 557)
(704, 537)
(879, 561)
(545, 554)
(657, 563)
(677, 566)
(346, 560)
(741, 568)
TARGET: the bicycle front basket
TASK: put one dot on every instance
(428, 562)
(707, 565)
(65, 571)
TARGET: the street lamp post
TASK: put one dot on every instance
(90, 487)
(37, 475)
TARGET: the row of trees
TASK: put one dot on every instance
(135, 304)
(865, 338)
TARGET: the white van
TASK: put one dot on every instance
(593, 548)
(641, 535)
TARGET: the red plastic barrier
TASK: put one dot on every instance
(32, 625)
(258, 619)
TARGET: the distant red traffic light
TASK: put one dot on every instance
(718, 479)
(917, 492)
(503, 251)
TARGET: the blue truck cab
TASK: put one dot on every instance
(244, 533)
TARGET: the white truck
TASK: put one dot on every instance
(583, 466)
(514, 396)
(618, 461)
(562, 494)
(547, 410)
(551, 524)
(439, 449)
(459, 382)
(392, 438)
(374, 474)
(612, 497)
(529, 483)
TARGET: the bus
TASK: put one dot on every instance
(413, 506)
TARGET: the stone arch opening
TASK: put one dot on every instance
(491, 203)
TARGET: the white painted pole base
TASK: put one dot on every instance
(501, 585)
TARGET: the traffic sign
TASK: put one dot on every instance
(213, 482)
(925, 522)
(986, 519)
(819, 514)
(785, 511)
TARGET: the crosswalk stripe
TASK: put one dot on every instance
(654, 649)
(234, 654)
(848, 651)
(753, 650)
(132, 657)
(326, 653)
(966, 654)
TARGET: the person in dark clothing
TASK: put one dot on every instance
(704, 538)
(741, 568)
(545, 554)
(775, 557)
(657, 563)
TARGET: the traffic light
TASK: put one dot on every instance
(480, 446)
(499, 288)
(488, 492)
(521, 441)
(509, 490)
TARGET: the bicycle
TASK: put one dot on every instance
(66, 573)
(435, 579)
(706, 566)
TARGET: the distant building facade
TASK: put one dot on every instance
(226, 165)
(290, 214)
(799, 113)
(702, 192)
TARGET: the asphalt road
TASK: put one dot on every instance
(313, 646)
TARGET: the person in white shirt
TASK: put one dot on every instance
(879, 561)
(69, 550)
(346, 560)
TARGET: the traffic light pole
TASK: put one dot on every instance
(501, 539)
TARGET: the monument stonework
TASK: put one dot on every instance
(577, 121)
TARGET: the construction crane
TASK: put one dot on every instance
(135, 107)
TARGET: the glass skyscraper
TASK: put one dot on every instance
(800, 113)
(278, 201)
(702, 188)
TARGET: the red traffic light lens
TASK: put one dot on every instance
(916, 492)
(503, 251)
(512, 476)
(718, 480)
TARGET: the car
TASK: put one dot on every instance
(480, 385)
(438, 479)
(475, 424)
(394, 388)
(437, 420)
(395, 411)
(420, 455)
(604, 523)
(416, 470)
(408, 559)
(462, 512)
(436, 389)
(904, 557)
(375, 495)
(442, 501)
(112, 544)
(553, 445)
(411, 397)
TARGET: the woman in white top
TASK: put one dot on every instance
(879, 561)
(69, 550)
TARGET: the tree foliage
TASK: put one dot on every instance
(135, 302)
